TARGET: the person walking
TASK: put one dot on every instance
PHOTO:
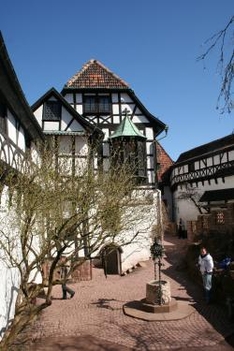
(64, 278)
(206, 265)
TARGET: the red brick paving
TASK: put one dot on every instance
(94, 318)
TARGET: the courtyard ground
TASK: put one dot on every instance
(94, 318)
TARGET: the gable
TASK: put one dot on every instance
(62, 118)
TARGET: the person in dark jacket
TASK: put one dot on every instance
(64, 278)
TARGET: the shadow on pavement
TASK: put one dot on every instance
(215, 313)
(81, 343)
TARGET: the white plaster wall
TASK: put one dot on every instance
(139, 118)
(21, 140)
(78, 98)
(66, 119)
(114, 98)
(11, 127)
(126, 106)
(106, 132)
(125, 98)
(50, 126)
(148, 216)
(65, 145)
(115, 109)
(185, 209)
(38, 115)
(79, 108)
(8, 150)
(9, 276)
(149, 133)
(69, 98)
(8, 294)
(231, 155)
(116, 119)
(167, 195)
(81, 146)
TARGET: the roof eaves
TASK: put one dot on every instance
(19, 105)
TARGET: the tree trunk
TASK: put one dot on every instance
(26, 313)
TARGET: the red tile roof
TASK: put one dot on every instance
(95, 75)
(164, 160)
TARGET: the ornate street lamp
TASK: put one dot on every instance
(157, 250)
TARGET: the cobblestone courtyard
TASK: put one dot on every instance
(94, 318)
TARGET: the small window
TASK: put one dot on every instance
(52, 111)
(97, 104)
(220, 217)
(104, 104)
(191, 167)
(90, 104)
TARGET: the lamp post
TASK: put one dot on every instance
(157, 251)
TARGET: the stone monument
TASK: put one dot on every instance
(158, 303)
(158, 291)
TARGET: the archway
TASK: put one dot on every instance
(111, 259)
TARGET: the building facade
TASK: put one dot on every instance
(202, 179)
(19, 131)
(97, 116)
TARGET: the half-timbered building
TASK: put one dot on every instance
(97, 105)
(203, 179)
(18, 133)
(70, 133)
(106, 101)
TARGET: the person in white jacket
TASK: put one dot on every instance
(206, 265)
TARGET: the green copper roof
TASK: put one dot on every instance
(127, 129)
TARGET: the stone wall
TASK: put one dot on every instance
(220, 220)
(81, 273)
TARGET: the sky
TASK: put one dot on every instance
(153, 45)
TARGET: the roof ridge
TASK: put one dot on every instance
(111, 72)
(78, 76)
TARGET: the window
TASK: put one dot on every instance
(2, 118)
(97, 104)
(191, 167)
(132, 152)
(104, 104)
(52, 111)
(205, 222)
(220, 217)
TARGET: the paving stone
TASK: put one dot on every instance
(94, 319)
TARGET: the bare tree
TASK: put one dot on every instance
(224, 41)
(52, 214)
(191, 193)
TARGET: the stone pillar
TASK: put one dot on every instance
(153, 292)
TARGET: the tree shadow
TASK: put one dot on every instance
(78, 343)
(104, 303)
(14, 290)
(215, 313)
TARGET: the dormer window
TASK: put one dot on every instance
(97, 104)
(52, 111)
